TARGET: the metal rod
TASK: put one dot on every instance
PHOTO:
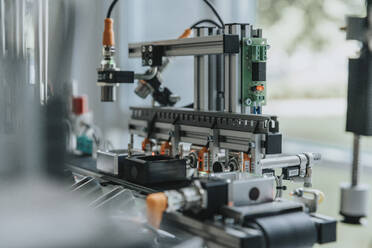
(146, 76)
(355, 167)
(2, 27)
(203, 74)
(232, 74)
(227, 72)
(220, 87)
(197, 77)
(235, 75)
(280, 162)
(212, 78)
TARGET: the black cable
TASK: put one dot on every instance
(205, 21)
(111, 8)
(215, 12)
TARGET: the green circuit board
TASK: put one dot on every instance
(254, 56)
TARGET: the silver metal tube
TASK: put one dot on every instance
(2, 27)
(355, 167)
(212, 78)
(201, 77)
(220, 87)
(45, 34)
(196, 77)
(146, 76)
(280, 162)
(108, 93)
(233, 74)
(203, 74)
(227, 73)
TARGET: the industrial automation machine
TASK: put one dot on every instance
(214, 169)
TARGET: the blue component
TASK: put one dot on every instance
(256, 110)
(85, 145)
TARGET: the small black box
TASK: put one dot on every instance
(259, 71)
(291, 172)
(326, 228)
(147, 170)
(231, 44)
(152, 55)
(273, 143)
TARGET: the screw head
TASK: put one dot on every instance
(150, 61)
(251, 145)
(248, 101)
(248, 42)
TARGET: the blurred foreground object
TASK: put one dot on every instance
(354, 196)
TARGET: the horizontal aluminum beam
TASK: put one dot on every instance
(225, 139)
(217, 44)
(288, 161)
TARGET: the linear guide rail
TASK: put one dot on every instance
(217, 44)
(257, 124)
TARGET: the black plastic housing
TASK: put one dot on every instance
(359, 100)
(115, 77)
(217, 192)
(148, 170)
(273, 143)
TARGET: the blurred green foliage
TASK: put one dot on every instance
(314, 13)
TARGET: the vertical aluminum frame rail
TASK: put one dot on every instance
(19, 28)
(233, 71)
(12, 29)
(232, 81)
(208, 76)
(197, 76)
(201, 76)
(220, 87)
(212, 90)
(2, 27)
(41, 51)
(212, 76)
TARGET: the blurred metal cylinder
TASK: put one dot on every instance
(143, 89)
(108, 93)
(354, 203)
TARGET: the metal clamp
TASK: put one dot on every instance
(303, 164)
(311, 203)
